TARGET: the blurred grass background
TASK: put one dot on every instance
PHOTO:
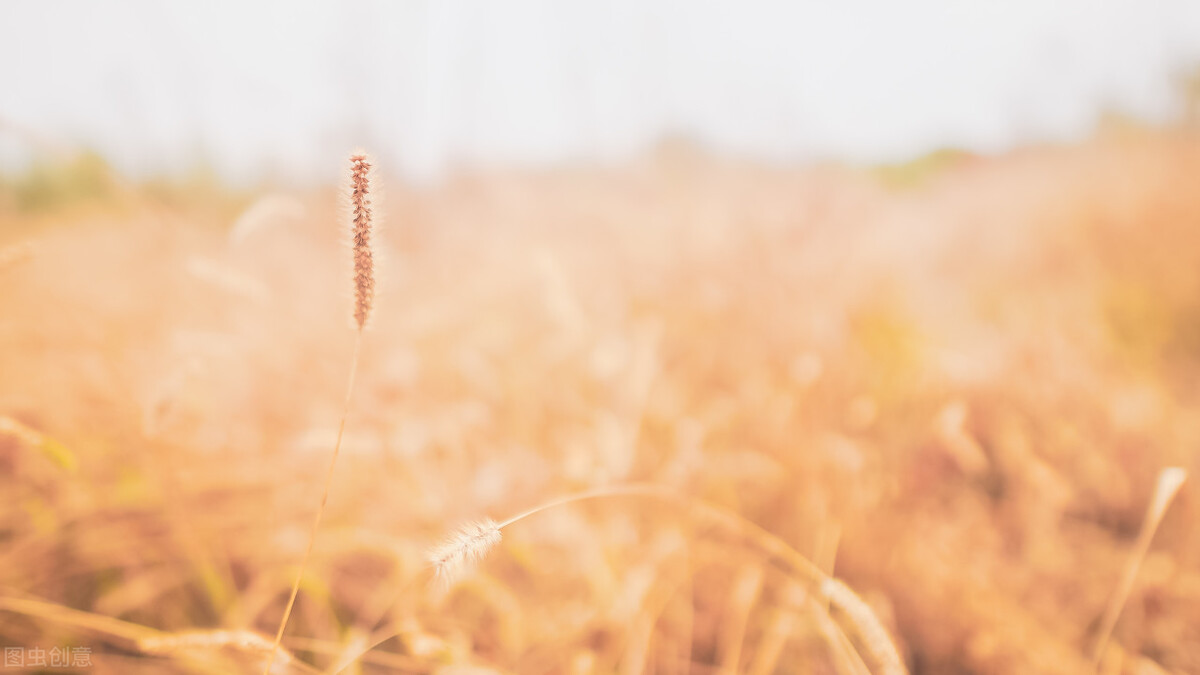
(951, 382)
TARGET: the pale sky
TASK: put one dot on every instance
(286, 88)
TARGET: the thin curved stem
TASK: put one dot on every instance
(874, 636)
(871, 631)
(312, 536)
(769, 543)
(645, 489)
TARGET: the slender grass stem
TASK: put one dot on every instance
(312, 536)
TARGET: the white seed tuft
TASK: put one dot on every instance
(467, 546)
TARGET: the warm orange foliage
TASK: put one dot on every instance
(957, 394)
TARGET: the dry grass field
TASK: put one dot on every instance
(952, 385)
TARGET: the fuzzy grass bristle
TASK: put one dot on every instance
(364, 260)
(461, 550)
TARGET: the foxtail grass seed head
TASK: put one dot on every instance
(461, 550)
(364, 261)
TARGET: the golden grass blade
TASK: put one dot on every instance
(79, 618)
(1170, 480)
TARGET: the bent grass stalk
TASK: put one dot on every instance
(364, 297)
(473, 542)
(145, 639)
